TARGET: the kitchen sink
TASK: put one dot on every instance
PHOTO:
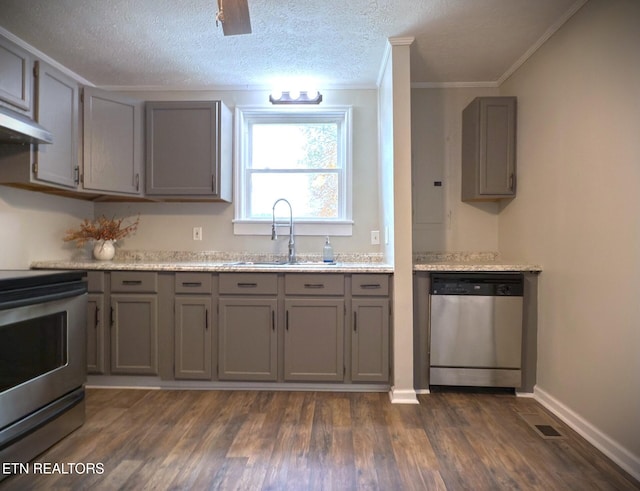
(279, 263)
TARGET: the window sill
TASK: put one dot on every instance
(254, 227)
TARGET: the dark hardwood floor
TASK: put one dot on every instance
(157, 440)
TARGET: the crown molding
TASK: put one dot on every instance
(454, 85)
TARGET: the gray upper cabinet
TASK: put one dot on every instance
(489, 149)
(56, 108)
(15, 76)
(112, 143)
(188, 150)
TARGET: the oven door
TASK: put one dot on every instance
(42, 355)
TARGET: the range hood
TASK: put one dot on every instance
(17, 128)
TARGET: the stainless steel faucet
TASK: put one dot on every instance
(274, 232)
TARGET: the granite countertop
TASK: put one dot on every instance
(221, 262)
(469, 262)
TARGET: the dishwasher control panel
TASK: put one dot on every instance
(485, 284)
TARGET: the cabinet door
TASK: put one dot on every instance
(488, 149)
(184, 149)
(15, 75)
(370, 340)
(134, 336)
(95, 333)
(314, 339)
(56, 109)
(247, 348)
(112, 142)
(193, 338)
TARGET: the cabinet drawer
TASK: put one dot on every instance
(193, 283)
(314, 284)
(370, 284)
(249, 283)
(95, 281)
(134, 282)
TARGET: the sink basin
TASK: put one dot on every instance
(278, 263)
(256, 263)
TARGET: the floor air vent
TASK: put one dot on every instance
(542, 425)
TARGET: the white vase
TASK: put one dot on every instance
(104, 250)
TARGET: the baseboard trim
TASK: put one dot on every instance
(405, 396)
(612, 449)
(155, 383)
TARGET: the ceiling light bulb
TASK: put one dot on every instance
(312, 94)
(294, 94)
(276, 95)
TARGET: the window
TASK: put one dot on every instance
(302, 155)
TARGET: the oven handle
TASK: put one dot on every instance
(14, 299)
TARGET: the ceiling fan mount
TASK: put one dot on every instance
(234, 17)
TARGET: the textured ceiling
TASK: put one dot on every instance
(334, 43)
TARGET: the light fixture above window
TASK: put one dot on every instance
(296, 97)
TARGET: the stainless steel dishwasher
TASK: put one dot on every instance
(476, 329)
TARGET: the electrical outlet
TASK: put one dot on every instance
(375, 237)
(197, 233)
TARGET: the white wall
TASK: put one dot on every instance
(578, 214)
(33, 224)
(168, 226)
(441, 221)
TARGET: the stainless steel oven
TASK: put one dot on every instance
(42, 359)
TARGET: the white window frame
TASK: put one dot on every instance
(247, 115)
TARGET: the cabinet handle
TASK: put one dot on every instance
(213, 183)
(137, 182)
(355, 322)
(191, 283)
(97, 320)
(131, 282)
(206, 319)
(273, 320)
(111, 316)
(511, 179)
(286, 324)
(76, 175)
(370, 286)
(314, 285)
(247, 285)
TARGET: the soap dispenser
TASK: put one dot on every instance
(327, 252)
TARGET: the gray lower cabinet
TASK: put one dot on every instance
(188, 150)
(489, 149)
(314, 339)
(193, 337)
(370, 340)
(193, 326)
(112, 143)
(96, 323)
(314, 327)
(247, 325)
(134, 323)
(370, 328)
(95, 333)
(247, 342)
